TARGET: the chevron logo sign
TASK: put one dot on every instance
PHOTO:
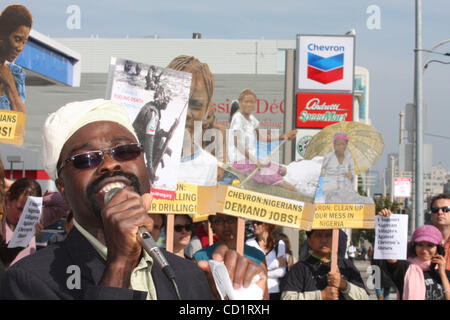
(325, 70)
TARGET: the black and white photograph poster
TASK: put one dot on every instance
(156, 99)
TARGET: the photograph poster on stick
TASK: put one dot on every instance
(348, 150)
(156, 99)
(391, 237)
(264, 188)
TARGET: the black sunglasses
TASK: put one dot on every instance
(92, 159)
(444, 209)
(179, 227)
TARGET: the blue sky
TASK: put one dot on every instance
(387, 52)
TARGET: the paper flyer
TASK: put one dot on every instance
(391, 237)
(25, 227)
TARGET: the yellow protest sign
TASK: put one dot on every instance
(12, 126)
(189, 199)
(200, 217)
(267, 208)
(344, 216)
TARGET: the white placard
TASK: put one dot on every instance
(225, 287)
(25, 227)
(391, 237)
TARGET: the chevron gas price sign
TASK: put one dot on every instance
(325, 63)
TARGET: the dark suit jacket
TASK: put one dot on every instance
(45, 274)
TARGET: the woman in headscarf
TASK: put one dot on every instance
(339, 173)
(423, 276)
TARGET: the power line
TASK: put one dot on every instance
(438, 136)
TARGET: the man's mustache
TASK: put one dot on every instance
(93, 185)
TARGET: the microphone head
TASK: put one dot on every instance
(110, 194)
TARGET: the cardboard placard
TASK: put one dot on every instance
(343, 216)
(266, 208)
(12, 126)
(189, 199)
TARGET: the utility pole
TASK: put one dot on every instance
(392, 177)
(419, 120)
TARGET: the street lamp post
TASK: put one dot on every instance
(419, 120)
(420, 68)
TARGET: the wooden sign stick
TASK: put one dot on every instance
(169, 232)
(334, 251)
(210, 234)
(240, 239)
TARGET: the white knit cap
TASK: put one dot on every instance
(62, 124)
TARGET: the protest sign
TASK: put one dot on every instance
(391, 237)
(266, 208)
(338, 216)
(25, 227)
(156, 100)
(12, 126)
(189, 199)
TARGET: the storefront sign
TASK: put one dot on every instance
(318, 110)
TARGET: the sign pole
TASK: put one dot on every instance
(334, 251)
(210, 234)
(169, 232)
(240, 239)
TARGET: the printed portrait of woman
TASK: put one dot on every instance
(15, 26)
(339, 174)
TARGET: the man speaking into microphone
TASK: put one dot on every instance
(90, 148)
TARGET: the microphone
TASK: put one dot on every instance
(150, 246)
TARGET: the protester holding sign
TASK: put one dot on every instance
(225, 227)
(423, 276)
(15, 202)
(182, 234)
(54, 207)
(440, 218)
(15, 25)
(312, 279)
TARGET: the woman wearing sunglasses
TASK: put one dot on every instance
(181, 234)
